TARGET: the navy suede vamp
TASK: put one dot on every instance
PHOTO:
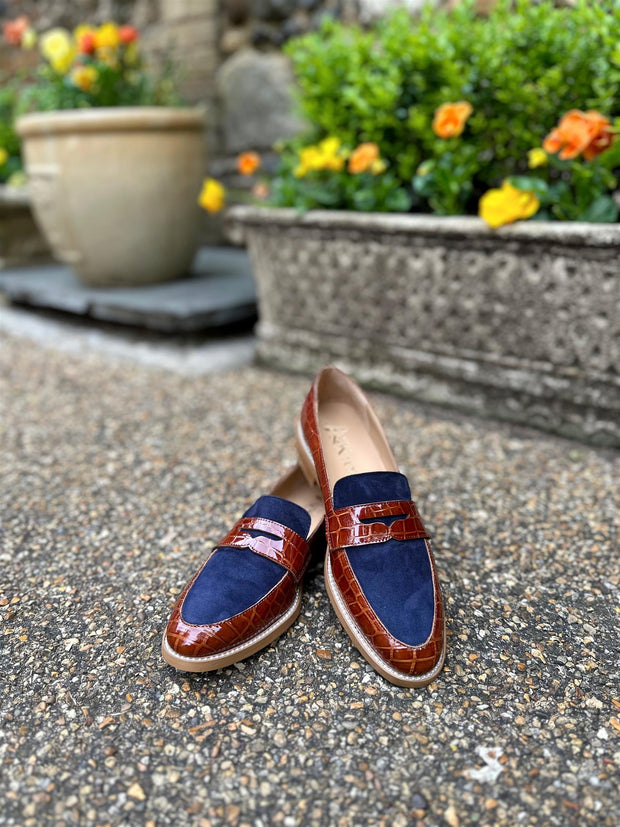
(395, 576)
(236, 578)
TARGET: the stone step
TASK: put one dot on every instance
(219, 292)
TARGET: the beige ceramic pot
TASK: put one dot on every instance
(114, 190)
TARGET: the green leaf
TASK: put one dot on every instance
(610, 159)
(423, 185)
(528, 183)
(603, 210)
(398, 201)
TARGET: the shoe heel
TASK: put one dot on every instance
(306, 463)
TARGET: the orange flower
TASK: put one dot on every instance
(450, 119)
(363, 158)
(248, 163)
(603, 138)
(128, 34)
(13, 30)
(260, 190)
(86, 43)
(107, 37)
(580, 133)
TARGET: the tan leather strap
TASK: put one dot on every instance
(290, 549)
(344, 526)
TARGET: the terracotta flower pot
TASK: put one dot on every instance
(114, 190)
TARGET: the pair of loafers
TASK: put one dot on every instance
(380, 573)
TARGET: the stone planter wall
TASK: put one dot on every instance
(521, 324)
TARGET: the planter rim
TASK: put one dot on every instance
(565, 232)
(112, 119)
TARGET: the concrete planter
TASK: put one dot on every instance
(114, 190)
(521, 324)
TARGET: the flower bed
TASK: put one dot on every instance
(507, 117)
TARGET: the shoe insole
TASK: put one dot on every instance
(297, 489)
(348, 445)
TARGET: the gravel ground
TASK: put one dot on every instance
(115, 480)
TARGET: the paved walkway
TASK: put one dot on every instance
(114, 479)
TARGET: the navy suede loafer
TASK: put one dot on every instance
(379, 568)
(248, 592)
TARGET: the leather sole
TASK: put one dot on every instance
(210, 663)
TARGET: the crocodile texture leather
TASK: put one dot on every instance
(411, 660)
(290, 550)
(200, 641)
(344, 530)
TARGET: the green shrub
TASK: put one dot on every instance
(521, 69)
(9, 141)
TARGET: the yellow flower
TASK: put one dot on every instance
(29, 39)
(378, 166)
(107, 36)
(212, 196)
(330, 156)
(309, 161)
(327, 155)
(84, 77)
(63, 63)
(330, 146)
(4, 156)
(503, 206)
(56, 46)
(536, 158)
